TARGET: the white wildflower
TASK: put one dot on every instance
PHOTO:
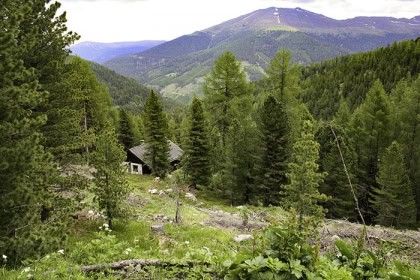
(4, 257)
(105, 225)
(187, 242)
(61, 251)
(29, 276)
(128, 251)
(26, 269)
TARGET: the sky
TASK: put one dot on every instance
(137, 20)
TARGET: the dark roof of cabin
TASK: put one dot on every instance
(175, 152)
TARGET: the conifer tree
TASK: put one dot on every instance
(342, 116)
(126, 130)
(335, 184)
(409, 134)
(283, 76)
(302, 192)
(225, 83)
(156, 129)
(27, 174)
(394, 200)
(370, 132)
(197, 158)
(275, 142)
(111, 187)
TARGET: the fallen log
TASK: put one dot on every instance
(138, 262)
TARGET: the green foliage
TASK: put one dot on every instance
(407, 116)
(302, 191)
(32, 221)
(283, 76)
(156, 130)
(275, 141)
(335, 184)
(225, 84)
(394, 200)
(111, 187)
(197, 155)
(352, 76)
(127, 132)
(370, 131)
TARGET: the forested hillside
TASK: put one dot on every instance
(178, 67)
(350, 77)
(124, 91)
(262, 166)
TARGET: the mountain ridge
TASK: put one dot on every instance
(177, 67)
(100, 52)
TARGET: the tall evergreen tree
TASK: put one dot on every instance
(275, 142)
(302, 192)
(226, 82)
(394, 200)
(408, 119)
(283, 76)
(370, 133)
(126, 130)
(27, 173)
(111, 187)
(335, 184)
(197, 157)
(156, 129)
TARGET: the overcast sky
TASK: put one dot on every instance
(135, 20)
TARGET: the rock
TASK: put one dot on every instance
(240, 207)
(190, 196)
(200, 204)
(243, 237)
(153, 191)
(161, 193)
(335, 237)
(157, 228)
(169, 190)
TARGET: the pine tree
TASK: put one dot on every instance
(239, 168)
(408, 119)
(126, 130)
(197, 158)
(225, 83)
(302, 192)
(156, 129)
(394, 200)
(370, 133)
(342, 116)
(275, 142)
(111, 187)
(283, 76)
(336, 185)
(31, 222)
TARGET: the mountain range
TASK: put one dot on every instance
(101, 52)
(177, 67)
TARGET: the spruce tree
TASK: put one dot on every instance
(126, 130)
(394, 200)
(370, 133)
(31, 222)
(197, 156)
(408, 120)
(156, 129)
(335, 184)
(275, 144)
(111, 187)
(302, 192)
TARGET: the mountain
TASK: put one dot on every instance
(101, 52)
(177, 67)
(127, 92)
